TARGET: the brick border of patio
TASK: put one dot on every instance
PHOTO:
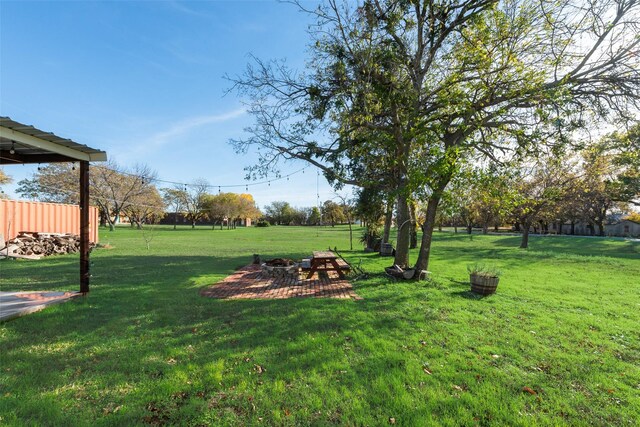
(248, 283)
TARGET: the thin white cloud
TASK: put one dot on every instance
(179, 6)
(183, 127)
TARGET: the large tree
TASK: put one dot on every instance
(402, 92)
(279, 212)
(176, 200)
(146, 208)
(537, 191)
(112, 188)
(195, 200)
(332, 213)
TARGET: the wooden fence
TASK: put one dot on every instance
(18, 215)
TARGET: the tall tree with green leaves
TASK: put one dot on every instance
(403, 92)
(538, 189)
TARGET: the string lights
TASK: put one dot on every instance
(145, 179)
(185, 185)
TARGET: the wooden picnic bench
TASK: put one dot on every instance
(327, 261)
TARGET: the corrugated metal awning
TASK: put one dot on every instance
(20, 143)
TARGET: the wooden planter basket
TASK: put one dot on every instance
(483, 285)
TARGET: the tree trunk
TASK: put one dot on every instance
(469, 229)
(414, 232)
(427, 233)
(560, 227)
(524, 244)
(600, 224)
(573, 228)
(517, 227)
(485, 228)
(455, 228)
(193, 224)
(350, 234)
(387, 223)
(404, 232)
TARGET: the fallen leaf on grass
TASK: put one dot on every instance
(457, 387)
(259, 369)
(529, 390)
(392, 420)
(423, 342)
(427, 371)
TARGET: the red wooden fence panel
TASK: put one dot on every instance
(18, 215)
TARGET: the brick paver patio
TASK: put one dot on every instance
(249, 283)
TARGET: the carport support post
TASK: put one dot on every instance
(84, 227)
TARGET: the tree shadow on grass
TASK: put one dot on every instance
(574, 245)
(144, 324)
(470, 295)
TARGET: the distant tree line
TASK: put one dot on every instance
(130, 192)
(553, 191)
(329, 213)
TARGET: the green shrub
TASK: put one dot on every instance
(480, 269)
(262, 223)
(371, 237)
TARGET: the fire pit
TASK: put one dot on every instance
(280, 268)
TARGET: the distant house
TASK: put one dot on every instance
(624, 228)
(614, 228)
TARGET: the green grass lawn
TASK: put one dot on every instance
(144, 348)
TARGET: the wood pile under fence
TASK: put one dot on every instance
(36, 245)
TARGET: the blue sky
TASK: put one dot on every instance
(143, 80)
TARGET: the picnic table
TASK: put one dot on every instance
(327, 261)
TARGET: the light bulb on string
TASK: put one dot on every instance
(219, 189)
(73, 166)
(246, 189)
(39, 167)
(13, 148)
(269, 183)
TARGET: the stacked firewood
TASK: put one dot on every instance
(41, 244)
